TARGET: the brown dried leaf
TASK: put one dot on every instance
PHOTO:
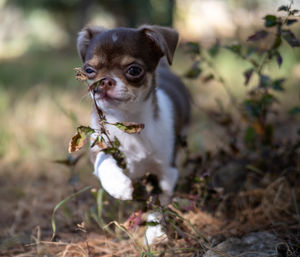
(80, 75)
(129, 127)
(80, 138)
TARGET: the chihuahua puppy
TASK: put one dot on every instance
(137, 86)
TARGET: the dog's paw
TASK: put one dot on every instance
(155, 234)
(112, 178)
(118, 185)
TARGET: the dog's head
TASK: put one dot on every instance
(123, 61)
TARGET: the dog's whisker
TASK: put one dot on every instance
(84, 97)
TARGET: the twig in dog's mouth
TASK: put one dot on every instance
(103, 141)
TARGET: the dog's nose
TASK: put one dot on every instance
(107, 83)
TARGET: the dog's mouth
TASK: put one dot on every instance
(105, 96)
(108, 96)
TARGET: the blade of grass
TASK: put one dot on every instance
(61, 203)
(100, 203)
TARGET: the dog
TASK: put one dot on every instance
(137, 86)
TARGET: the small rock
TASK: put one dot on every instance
(255, 244)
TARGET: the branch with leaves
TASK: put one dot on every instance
(102, 140)
(261, 99)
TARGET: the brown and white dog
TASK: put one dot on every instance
(136, 86)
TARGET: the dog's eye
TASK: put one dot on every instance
(89, 70)
(135, 71)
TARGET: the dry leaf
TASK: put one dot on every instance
(80, 75)
(129, 127)
(80, 138)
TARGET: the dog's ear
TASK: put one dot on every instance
(84, 38)
(165, 39)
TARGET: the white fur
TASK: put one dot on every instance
(112, 177)
(155, 234)
(150, 151)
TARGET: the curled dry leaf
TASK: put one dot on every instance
(80, 138)
(129, 127)
(80, 75)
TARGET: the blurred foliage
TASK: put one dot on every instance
(258, 106)
(73, 14)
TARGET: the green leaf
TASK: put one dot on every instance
(214, 50)
(270, 21)
(290, 37)
(294, 11)
(110, 150)
(252, 108)
(61, 203)
(264, 81)
(248, 74)
(100, 142)
(236, 48)
(80, 138)
(289, 22)
(95, 142)
(277, 84)
(277, 42)
(258, 35)
(250, 137)
(268, 99)
(208, 77)
(194, 71)
(295, 110)
(116, 142)
(193, 48)
(283, 8)
(129, 127)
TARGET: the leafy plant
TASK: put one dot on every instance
(261, 99)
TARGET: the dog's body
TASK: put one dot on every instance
(152, 150)
(136, 85)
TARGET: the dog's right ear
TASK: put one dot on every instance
(84, 38)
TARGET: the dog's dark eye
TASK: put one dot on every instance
(89, 70)
(135, 71)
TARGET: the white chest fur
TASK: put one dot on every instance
(152, 149)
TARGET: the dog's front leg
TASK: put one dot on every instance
(167, 182)
(112, 177)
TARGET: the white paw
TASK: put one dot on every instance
(155, 234)
(112, 178)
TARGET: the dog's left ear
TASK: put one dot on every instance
(165, 39)
(84, 38)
